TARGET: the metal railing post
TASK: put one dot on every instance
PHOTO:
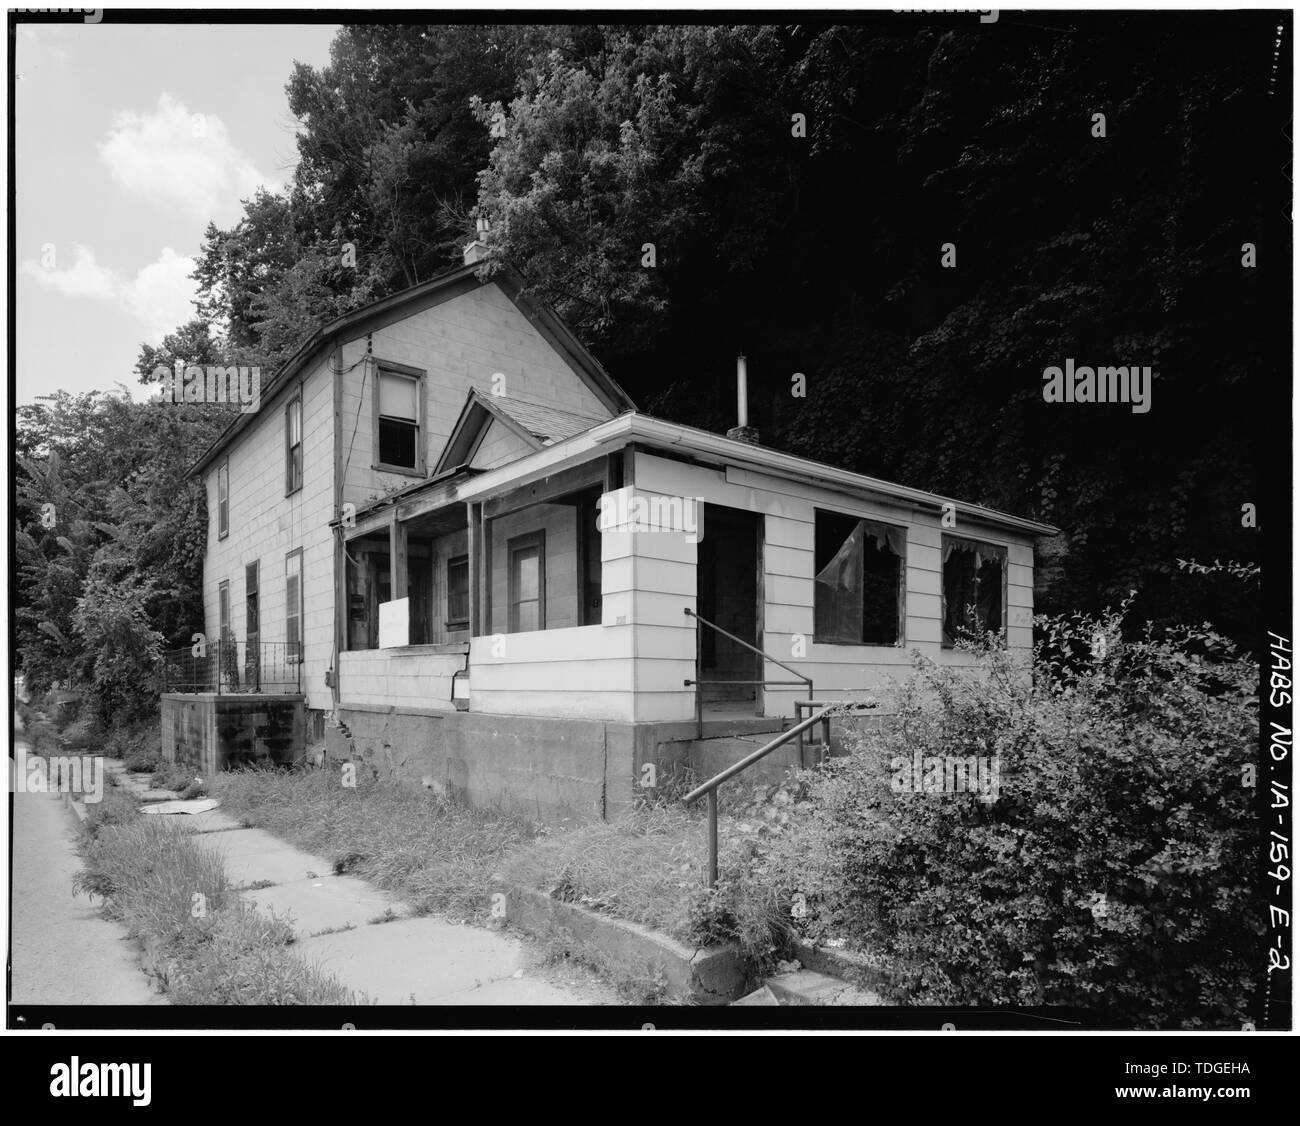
(699, 669)
(713, 838)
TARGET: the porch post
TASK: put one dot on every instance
(397, 569)
(485, 552)
(472, 550)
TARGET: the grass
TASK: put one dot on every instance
(180, 779)
(441, 857)
(438, 856)
(116, 807)
(649, 868)
(209, 947)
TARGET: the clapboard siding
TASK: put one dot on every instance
(265, 526)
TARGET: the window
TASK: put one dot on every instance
(527, 576)
(973, 581)
(398, 419)
(858, 591)
(252, 618)
(293, 445)
(458, 592)
(251, 601)
(293, 605)
(223, 499)
(223, 611)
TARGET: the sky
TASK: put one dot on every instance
(128, 140)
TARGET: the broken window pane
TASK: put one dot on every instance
(858, 588)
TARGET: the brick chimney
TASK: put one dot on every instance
(742, 431)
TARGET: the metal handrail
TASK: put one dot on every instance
(806, 681)
(851, 705)
(752, 648)
(710, 788)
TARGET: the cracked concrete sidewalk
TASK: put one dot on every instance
(372, 942)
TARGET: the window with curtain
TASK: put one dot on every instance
(973, 574)
(398, 419)
(858, 590)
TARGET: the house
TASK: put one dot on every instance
(448, 546)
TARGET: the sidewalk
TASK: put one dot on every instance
(372, 943)
(64, 952)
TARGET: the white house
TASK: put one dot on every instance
(448, 545)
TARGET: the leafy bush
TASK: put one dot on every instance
(182, 780)
(1114, 870)
(121, 647)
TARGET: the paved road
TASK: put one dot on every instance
(64, 952)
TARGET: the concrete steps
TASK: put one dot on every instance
(808, 987)
(711, 755)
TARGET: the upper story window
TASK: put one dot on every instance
(399, 419)
(858, 591)
(974, 588)
(223, 499)
(293, 445)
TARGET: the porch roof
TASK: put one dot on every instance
(461, 485)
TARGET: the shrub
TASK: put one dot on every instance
(182, 780)
(1114, 870)
(138, 745)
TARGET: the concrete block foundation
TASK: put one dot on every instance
(208, 732)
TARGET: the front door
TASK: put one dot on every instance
(728, 559)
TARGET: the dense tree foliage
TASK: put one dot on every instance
(109, 541)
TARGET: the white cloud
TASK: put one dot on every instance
(84, 278)
(160, 295)
(182, 160)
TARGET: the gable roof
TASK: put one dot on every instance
(398, 306)
(537, 424)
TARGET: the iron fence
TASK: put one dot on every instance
(228, 667)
